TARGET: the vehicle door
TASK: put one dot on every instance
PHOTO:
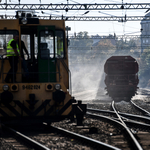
(46, 54)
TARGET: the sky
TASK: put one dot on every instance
(92, 27)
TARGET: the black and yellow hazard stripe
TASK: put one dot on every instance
(65, 107)
(3, 113)
(62, 110)
(24, 109)
(11, 109)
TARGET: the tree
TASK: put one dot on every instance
(82, 40)
(80, 46)
(144, 65)
(106, 44)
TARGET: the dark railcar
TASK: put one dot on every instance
(121, 77)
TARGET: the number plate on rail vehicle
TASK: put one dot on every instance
(30, 87)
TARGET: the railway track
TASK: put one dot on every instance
(90, 141)
(132, 140)
(118, 138)
(20, 141)
(8, 142)
(137, 129)
(127, 116)
(102, 130)
(33, 136)
(145, 112)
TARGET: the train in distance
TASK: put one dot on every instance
(121, 77)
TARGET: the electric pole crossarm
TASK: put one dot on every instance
(87, 18)
(105, 18)
(67, 7)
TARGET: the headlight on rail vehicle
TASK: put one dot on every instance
(5, 87)
(57, 86)
(24, 21)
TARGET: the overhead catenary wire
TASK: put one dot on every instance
(77, 12)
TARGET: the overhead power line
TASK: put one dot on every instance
(86, 18)
(68, 7)
(111, 37)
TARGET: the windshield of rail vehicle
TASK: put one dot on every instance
(47, 44)
(5, 37)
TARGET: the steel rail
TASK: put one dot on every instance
(141, 109)
(128, 121)
(135, 142)
(135, 123)
(144, 118)
(68, 7)
(27, 139)
(98, 144)
(119, 125)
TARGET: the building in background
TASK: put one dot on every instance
(145, 32)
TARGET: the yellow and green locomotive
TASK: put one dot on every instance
(42, 92)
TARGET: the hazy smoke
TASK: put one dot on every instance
(87, 79)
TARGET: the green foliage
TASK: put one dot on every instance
(144, 65)
(81, 41)
(80, 48)
(126, 45)
(106, 45)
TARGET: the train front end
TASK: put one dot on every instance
(43, 90)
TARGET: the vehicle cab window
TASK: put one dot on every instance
(59, 44)
(5, 37)
(46, 44)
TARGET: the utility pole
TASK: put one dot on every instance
(68, 29)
